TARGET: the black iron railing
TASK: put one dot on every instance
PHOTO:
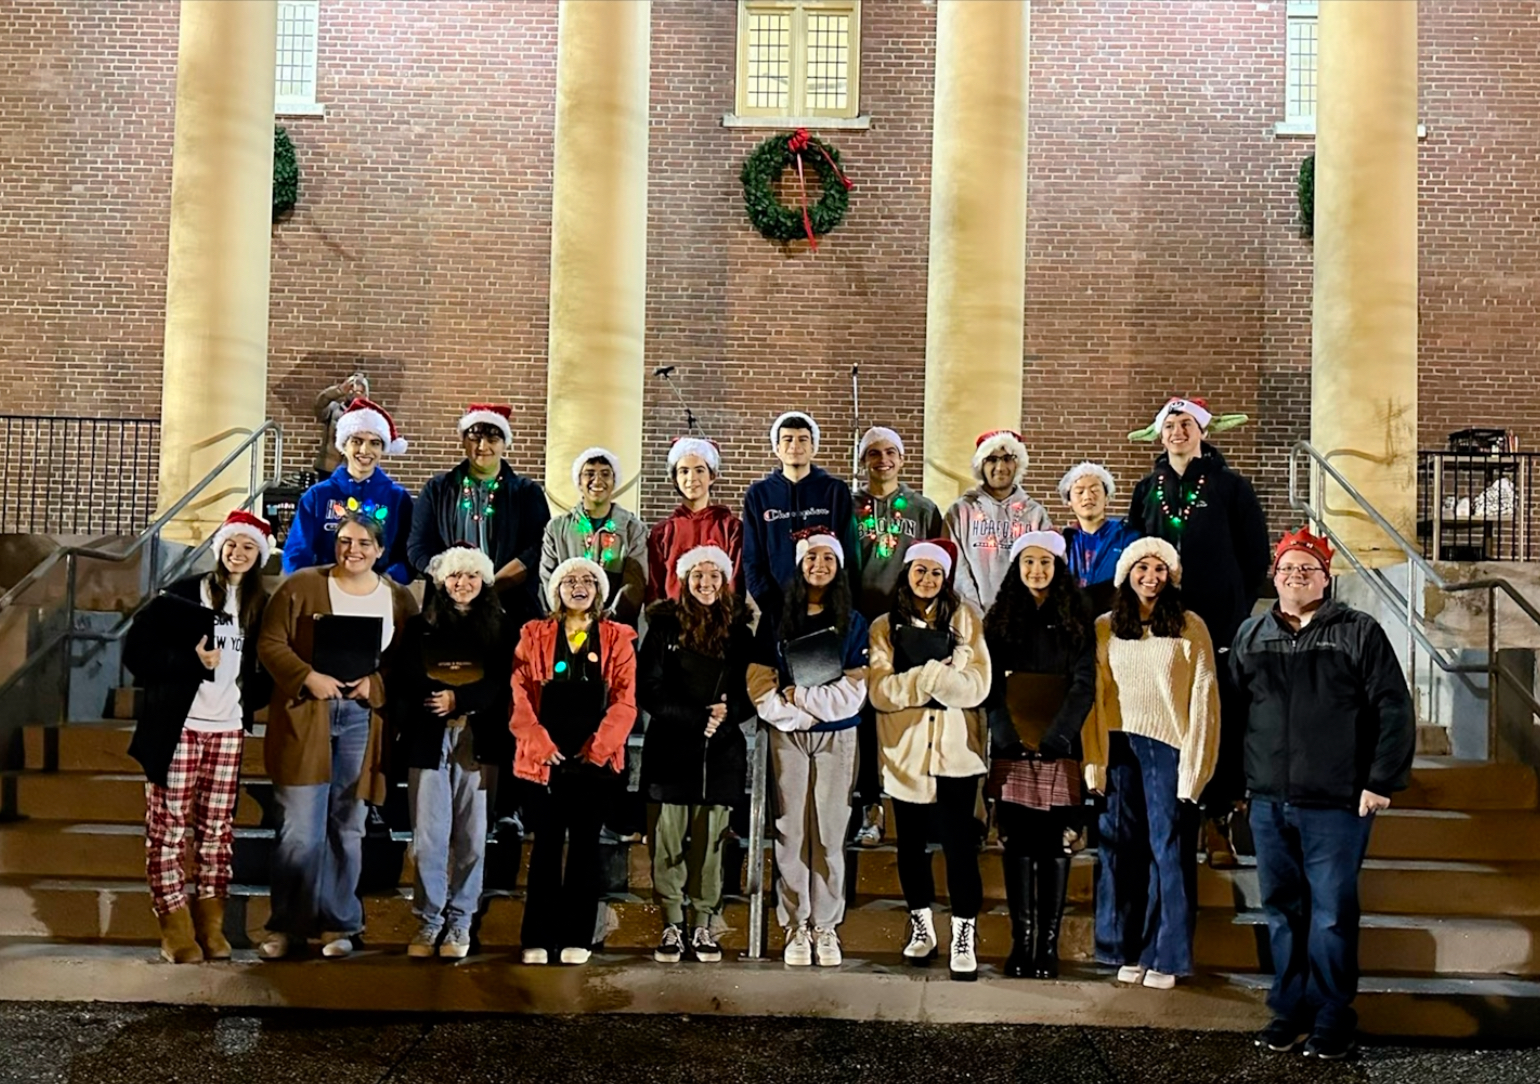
(1477, 506)
(61, 475)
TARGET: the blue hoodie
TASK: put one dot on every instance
(312, 537)
(773, 509)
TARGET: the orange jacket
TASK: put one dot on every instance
(532, 664)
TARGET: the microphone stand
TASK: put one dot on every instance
(691, 425)
(855, 421)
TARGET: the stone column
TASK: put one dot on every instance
(598, 238)
(978, 226)
(214, 380)
(1363, 396)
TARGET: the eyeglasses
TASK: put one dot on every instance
(1300, 570)
(1000, 459)
(580, 581)
(484, 432)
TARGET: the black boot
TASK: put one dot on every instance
(1019, 889)
(1052, 888)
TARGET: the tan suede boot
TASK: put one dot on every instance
(177, 944)
(209, 921)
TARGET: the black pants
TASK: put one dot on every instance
(959, 829)
(1035, 833)
(559, 903)
(868, 778)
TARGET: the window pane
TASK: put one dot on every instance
(1300, 103)
(296, 51)
(769, 67)
(828, 61)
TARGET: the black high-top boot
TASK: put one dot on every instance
(1020, 899)
(1052, 888)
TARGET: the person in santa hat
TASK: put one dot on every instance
(1210, 514)
(988, 518)
(599, 530)
(693, 466)
(1095, 541)
(365, 435)
(799, 496)
(198, 705)
(485, 503)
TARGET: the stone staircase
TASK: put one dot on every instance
(1451, 890)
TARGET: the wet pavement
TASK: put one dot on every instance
(131, 1044)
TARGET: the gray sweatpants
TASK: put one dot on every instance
(815, 777)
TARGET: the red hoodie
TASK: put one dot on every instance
(682, 531)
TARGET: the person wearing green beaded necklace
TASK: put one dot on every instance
(603, 532)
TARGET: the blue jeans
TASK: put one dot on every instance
(1143, 910)
(1307, 866)
(321, 837)
(449, 833)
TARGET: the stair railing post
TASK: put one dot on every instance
(67, 643)
(754, 875)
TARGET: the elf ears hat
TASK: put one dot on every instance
(1207, 421)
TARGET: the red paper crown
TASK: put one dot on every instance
(1304, 541)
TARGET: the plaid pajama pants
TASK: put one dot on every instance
(200, 792)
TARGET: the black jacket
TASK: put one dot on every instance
(1329, 712)
(680, 765)
(1223, 544)
(157, 668)
(1044, 650)
(487, 702)
(522, 513)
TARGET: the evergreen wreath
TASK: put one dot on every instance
(1306, 188)
(764, 166)
(285, 174)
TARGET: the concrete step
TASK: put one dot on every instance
(1452, 783)
(102, 746)
(114, 797)
(1480, 836)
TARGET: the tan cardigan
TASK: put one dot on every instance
(298, 749)
(1160, 687)
(916, 743)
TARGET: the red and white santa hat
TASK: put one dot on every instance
(995, 441)
(775, 427)
(819, 539)
(942, 551)
(586, 456)
(706, 449)
(245, 525)
(366, 416)
(1079, 471)
(497, 415)
(704, 555)
(1198, 408)
(1052, 541)
(876, 433)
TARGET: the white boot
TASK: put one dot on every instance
(920, 946)
(965, 960)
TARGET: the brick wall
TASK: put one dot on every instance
(1161, 250)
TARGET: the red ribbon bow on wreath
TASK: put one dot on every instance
(798, 142)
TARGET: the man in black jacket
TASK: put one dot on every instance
(1328, 740)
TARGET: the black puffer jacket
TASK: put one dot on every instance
(1329, 712)
(1041, 648)
(485, 703)
(680, 765)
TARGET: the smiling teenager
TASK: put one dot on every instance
(693, 466)
(599, 530)
(988, 518)
(1095, 541)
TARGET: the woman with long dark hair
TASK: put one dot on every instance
(198, 704)
(808, 681)
(1150, 748)
(450, 706)
(929, 673)
(1043, 651)
(691, 679)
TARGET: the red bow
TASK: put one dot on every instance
(798, 142)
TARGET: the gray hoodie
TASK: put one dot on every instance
(984, 530)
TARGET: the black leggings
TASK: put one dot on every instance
(952, 812)
(1034, 833)
(559, 904)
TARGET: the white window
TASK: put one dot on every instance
(1299, 95)
(798, 59)
(298, 37)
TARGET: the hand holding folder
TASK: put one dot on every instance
(815, 659)
(347, 647)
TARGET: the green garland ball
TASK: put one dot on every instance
(285, 174)
(770, 216)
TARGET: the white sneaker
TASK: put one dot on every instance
(575, 955)
(423, 942)
(1159, 980)
(535, 956)
(827, 942)
(339, 947)
(920, 946)
(965, 961)
(799, 950)
(457, 944)
(275, 947)
(870, 834)
(1132, 974)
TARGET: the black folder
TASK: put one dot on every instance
(701, 676)
(815, 659)
(451, 668)
(347, 647)
(571, 711)
(1033, 701)
(186, 624)
(914, 646)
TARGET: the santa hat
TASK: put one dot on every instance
(876, 433)
(589, 454)
(462, 557)
(817, 539)
(246, 525)
(574, 564)
(1305, 542)
(1052, 541)
(706, 449)
(775, 426)
(1079, 471)
(940, 550)
(1148, 546)
(497, 415)
(704, 555)
(999, 440)
(1207, 420)
(366, 416)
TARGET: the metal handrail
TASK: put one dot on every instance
(1402, 605)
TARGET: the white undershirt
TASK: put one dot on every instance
(216, 705)
(377, 603)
